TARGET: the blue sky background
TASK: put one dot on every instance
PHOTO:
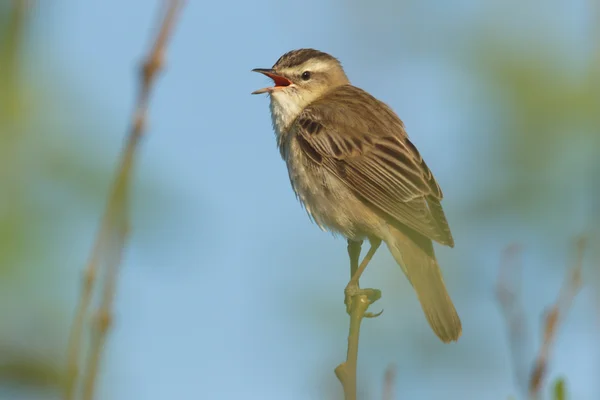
(228, 291)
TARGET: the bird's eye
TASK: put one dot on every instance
(306, 75)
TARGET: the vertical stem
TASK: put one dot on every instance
(346, 371)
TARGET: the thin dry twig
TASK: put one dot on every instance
(554, 318)
(508, 294)
(112, 235)
(389, 383)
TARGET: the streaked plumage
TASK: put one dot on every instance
(373, 157)
(357, 173)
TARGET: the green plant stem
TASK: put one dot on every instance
(346, 371)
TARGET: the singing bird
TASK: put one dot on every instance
(357, 173)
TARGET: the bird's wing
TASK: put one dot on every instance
(363, 142)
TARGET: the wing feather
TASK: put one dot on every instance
(367, 148)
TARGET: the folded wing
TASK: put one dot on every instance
(365, 145)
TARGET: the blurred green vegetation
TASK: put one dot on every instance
(21, 251)
(547, 130)
(560, 390)
(48, 186)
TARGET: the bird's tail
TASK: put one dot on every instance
(414, 253)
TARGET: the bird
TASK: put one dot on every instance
(354, 169)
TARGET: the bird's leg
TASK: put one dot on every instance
(353, 288)
(354, 248)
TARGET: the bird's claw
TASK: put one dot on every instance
(353, 290)
(373, 315)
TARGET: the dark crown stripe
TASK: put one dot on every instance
(298, 57)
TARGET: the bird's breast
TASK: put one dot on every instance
(324, 196)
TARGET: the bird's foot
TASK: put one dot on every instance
(353, 290)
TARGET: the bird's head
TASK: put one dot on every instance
(302, 76)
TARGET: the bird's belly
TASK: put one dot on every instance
(329, 202)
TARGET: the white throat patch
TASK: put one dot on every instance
(285, 106)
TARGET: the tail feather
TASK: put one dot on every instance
(414, 252)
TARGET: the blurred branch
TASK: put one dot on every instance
(553, 319)
(11, 36)
(112, 235)
(389, 382)
(508, 294)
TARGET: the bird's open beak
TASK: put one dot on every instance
(280, 81)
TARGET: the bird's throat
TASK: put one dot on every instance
(285, 107)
